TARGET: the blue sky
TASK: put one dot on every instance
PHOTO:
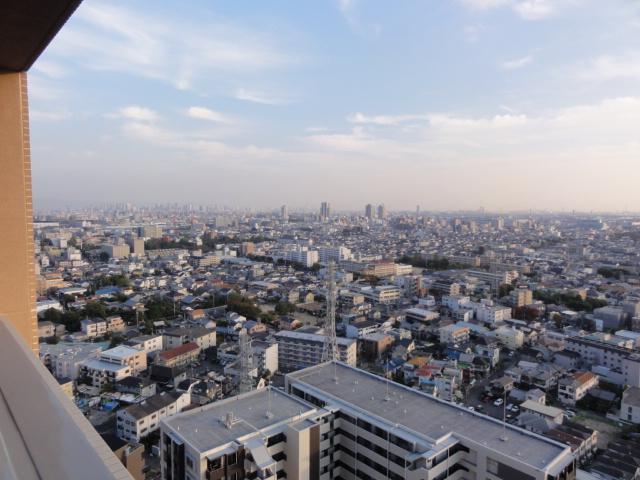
(450, 104)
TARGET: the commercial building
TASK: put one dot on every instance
(383, 294)
(298, 349)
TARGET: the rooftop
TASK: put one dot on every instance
(408, 408)
(204, 428)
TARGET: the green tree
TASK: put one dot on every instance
(95, 309)
(285, 307)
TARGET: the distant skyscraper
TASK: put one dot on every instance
(368, 211)
(325, 211)
(284, 213)
(382, 211)
(417, 211)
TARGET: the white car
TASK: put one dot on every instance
(570, 414)
(510, 406)
(498, 402)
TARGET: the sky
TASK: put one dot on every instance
(449, 104)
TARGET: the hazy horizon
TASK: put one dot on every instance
(512, 105)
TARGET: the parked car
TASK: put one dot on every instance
(570, 413)
(498, 402)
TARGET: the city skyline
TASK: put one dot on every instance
(423, 103)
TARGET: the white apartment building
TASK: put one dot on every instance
(327, 254)
(64, 360)
(630, 405)
(101, 373)
(491, 314)
(94, 327)
(576, 387)
(302, 255)
(421, 315)
(298, 349)
(115, 324)
(494, 279)
(265, 356)
(454, 334)
(615, 354)
(147, 343)
(360, 426)
(383, 294)
(203, 337)
(124, 355)
(509, 337)
(137, 421)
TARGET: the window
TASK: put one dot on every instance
(232, 459)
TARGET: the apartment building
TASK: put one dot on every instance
(509, 337)
(454, 334)
(146, 343)
(421, 315)
(360, 426)
(115, 324)
(137, 421)
(203, 337)
(100, 373)
(300, 349)
(327, 254)
(124, 355)
(576, 387)
(263, 434)
(178, 356)
(615, 354)
(303, 255)
(65, 360)
(94, 327)
(382, 294)
(630, 405)
(494, 279)
(265, 356)
(520, 297)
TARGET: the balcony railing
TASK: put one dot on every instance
(42, 434)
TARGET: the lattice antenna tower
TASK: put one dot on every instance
(246, 362)
(330, 350)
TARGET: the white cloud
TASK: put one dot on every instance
(137, 113)
(105, 37)
(517, 63)
(526, 9)
(534, 9)
(255, 96)
(384, 120)
(203, 113)
(346, 5)
(472, 32)
(612, 67)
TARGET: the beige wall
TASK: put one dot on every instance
(17, 274)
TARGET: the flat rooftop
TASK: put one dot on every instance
(423, 415)
(204, 428)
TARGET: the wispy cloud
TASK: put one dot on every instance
(137, 113)
(526, 9)
(203, 113)
(384, 119)
(113, 38)
(517, 63)
(257, 96)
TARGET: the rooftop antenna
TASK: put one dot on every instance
(330, 349)
(246, 361)
(268, 413)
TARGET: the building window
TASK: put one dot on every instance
(232, 459)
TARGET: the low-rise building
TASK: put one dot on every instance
(454, 334)
(93, 327)
(137, 421)
(298, 349)
(178, 356)
(630, 405)
(123, 355)
(574, 388)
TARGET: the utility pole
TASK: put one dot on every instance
(330, 348)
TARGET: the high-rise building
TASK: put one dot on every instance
(337, 421)
(284, 213)
(368, 211)
(325, 211)
(382, 211)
